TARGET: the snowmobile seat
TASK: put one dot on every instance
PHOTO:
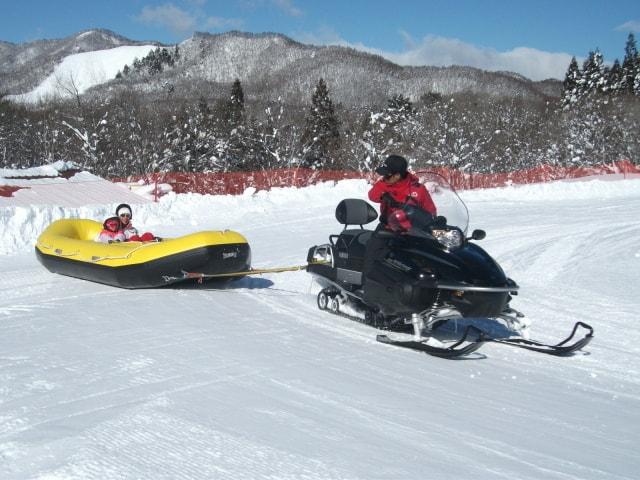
(354, 211)
(353, 240)
(351, 246)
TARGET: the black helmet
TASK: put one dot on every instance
(124, 208)
(393, 164)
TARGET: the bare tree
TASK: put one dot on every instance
(68, 84)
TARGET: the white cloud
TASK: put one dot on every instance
(324, 36)
(222, 23)
(169, 16)
(441, 51)
(288, 7)
(183, 22)
(630, 26)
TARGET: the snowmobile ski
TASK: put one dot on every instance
(472, 338)
(451, 351)
(559, 349)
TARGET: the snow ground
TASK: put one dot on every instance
(252, 381)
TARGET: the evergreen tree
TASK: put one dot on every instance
(592, 73)
(388, 130)
(615, 78)
(630, 65)
(572, 84)
(400, 106)
(203, 108)
(153, 62)
(321, 137)
(166, 58)
(232, 130)
(236, 105)
(235, 147)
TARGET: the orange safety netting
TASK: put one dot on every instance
(9, 190)
(235, 183)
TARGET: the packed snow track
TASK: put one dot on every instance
(249, 380)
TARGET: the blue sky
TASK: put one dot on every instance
(535, 38)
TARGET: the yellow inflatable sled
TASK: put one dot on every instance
(67, 247)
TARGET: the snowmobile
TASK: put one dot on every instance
(431, 276)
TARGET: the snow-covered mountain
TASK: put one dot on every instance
(279, 66)
(76, 73)
(269, 66)
(25, 66)
(252, 381)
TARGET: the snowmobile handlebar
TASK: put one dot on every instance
(389, 200)
(413, 210)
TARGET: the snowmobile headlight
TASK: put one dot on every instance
(449, 239)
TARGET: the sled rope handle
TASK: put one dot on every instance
(94, 258)
(57, 251)
(120, 257)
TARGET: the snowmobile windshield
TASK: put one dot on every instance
(447, 201)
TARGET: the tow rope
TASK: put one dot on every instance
(258, 271)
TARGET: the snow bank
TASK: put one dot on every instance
(21, 226)
(50, 170)
(60, 184)
(175, 214)
(578, 189)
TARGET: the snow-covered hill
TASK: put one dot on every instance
(24, 66)
(252, 381)
(81, 71)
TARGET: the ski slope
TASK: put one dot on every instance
(252, 381)
(77, 73)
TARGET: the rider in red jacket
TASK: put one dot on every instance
(402, 186)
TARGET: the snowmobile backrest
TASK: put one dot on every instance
(353, 211)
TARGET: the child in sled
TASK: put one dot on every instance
(111, 232)
(124, 214)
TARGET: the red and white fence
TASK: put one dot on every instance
(235, 183)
